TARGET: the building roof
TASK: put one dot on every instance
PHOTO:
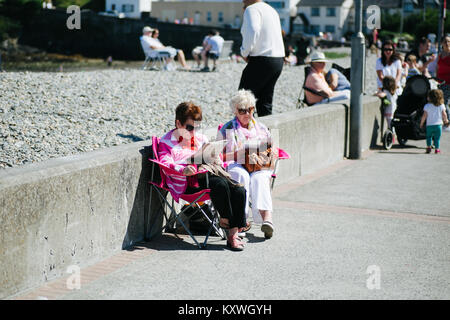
(320, 3)
(384, 4)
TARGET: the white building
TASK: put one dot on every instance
(218, 12)
(326, 15)
(286, 9)
(131, 8)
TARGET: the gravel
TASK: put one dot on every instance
(47, 115)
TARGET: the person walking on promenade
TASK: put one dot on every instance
(263, 49)
(443, 70)
(389, 65)
(435, 115)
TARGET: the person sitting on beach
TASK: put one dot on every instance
(213, 48)
(197, 51)
(317, 82)
(146, 40)
(156, 44)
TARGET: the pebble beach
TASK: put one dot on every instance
(46, 115)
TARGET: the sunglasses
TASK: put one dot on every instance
(244, 111)
(190, 127)
(388, 49)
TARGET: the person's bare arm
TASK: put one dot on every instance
(424, 117)
(398, 77)
(333, 81)
(444, 117)
(380, 75)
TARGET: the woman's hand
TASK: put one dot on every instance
(189, 170)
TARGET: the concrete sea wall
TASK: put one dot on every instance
(80, 209)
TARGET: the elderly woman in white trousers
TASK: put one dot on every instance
(240, 132)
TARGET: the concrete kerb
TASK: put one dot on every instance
(80, 209)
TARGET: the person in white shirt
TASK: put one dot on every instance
(435, 116)
(156, 45)
(197, 51)
(263, 49)
(213, 48)
(389, 64)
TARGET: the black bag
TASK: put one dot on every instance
(197, 221)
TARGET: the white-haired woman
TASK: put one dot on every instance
(241, 131)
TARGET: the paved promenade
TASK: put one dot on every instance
(378, 228)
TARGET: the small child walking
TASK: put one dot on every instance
(389, 97)
(435, 115)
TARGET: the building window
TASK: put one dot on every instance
(276, 4)
(331, 12)
(331, 29)
(315, 12)
(127, 7)
(408, 7)
(208, 16)
(113, 7)
(315, 29)
(220, 17)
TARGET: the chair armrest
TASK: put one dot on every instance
(171, 171)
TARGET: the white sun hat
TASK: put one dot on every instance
(317, 56)
(147, 29)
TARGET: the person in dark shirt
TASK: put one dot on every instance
(423, 55)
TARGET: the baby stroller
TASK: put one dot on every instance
(406, 120)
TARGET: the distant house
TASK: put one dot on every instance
(214, 13)
(131, 8)
(217, 13)
(286, 10)
(325, 16)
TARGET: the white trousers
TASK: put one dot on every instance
(257, 185)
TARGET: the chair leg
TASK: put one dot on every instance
(144, 65)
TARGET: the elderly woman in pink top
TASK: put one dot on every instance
(176, 149)
(316, 81)
(239, 132)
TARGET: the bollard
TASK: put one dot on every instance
(357, 79)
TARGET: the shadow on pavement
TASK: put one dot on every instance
(169, 242)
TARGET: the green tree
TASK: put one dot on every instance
(20, 10)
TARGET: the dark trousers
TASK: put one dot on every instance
(260, 76)
(228, 199)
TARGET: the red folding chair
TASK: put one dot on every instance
(158, 183)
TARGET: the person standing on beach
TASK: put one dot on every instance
(263, 49)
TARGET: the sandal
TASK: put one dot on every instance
(247, 227)
(234, 244)
(267, 228)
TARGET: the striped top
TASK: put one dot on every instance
(174, 151)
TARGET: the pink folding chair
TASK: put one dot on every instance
(158, 183)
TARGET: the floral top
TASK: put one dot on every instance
(236, 135)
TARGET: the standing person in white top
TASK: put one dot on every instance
(389, 65)
(435, 115)
(213, 48)
(263, 49)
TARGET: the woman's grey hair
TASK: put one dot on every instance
(243, 99)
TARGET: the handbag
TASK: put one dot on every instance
(255, 161)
